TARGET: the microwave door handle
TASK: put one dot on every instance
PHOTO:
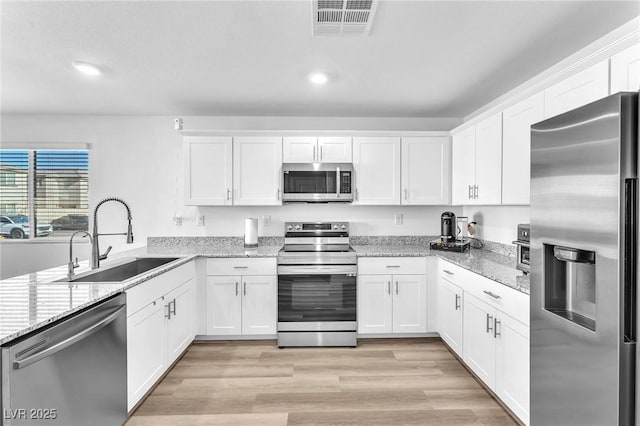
(338, 182)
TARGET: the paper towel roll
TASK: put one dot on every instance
(251, 232)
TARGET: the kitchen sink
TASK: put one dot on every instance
(123, 271)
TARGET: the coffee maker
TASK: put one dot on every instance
(448, 227)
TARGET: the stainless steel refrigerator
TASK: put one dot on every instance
(583, 264)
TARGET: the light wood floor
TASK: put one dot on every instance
(381, 382)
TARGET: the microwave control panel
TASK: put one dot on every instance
(345, 182)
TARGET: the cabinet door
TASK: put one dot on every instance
(181, 322)
(516, 148)
(299, 149)
(426, 170)
(479, 351)
(374, 304)
(512, 365)
(257, 171)
(376, 161)
(625, 70)
(259, 304)
(488, 188)
(409, 303)
(577, 90)
(224, 305)
(207, 164)
(335, 149)
(463, 166)
(450, 298)
(145, 350)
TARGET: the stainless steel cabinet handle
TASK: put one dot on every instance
(489, 319)
(389, 287)
(240, 267)
(314, 153)
(174, 306)
(393, 266)
(228, 194)
(236, 288)
(278, 194)
(448, 272)
(457, 302)
(320, 152)
(168, 314)
(245, 288)
(495, 296)
(396, 287)
(475, 192)
(470, 192)
(338, 181)
(356, 194)
(94, 328)
(496, 322)
(406, 194)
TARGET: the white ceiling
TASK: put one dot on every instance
(422, 58)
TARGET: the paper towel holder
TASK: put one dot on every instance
(251, 232)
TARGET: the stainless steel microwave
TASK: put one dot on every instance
(318, 182)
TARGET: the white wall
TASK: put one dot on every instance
(139, 159)
(497, 223)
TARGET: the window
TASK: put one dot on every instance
(50, 185)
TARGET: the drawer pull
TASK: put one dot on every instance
(240, 267)
(393, 266)
(448, 272)
(495, 296)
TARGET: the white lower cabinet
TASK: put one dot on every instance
(244, 303)
(392, 303)
(450, 313)
(482, 321)
(160, 326)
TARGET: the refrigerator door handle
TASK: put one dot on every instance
(630, 261)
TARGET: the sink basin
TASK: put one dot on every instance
(123, 271)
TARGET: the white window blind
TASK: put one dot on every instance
(45, 188)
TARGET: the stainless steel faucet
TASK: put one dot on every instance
(74, 264)
(96, 257)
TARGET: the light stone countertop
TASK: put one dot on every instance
(32, 301)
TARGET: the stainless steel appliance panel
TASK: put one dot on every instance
(77, 368)
(580, 163)
(317, 182)
(318, 338)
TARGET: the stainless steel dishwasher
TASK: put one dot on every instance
(71, 373)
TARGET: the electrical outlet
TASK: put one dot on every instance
(177, 220)
(200, 221)
(266, 220)
(398, 218)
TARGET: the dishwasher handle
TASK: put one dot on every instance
(92, 329)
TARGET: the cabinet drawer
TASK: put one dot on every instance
(242, 266)
(503, 298)
(392, 265)
(141, 295)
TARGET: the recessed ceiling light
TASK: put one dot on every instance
(86, 68)
(318, 78)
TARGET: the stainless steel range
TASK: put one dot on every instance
(317, 286)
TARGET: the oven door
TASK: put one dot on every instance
(317, 183)
(319, 297)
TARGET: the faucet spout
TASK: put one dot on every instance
(96, 257)
(74, 264)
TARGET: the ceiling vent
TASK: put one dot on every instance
(343, 17)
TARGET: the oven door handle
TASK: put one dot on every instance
(349, 270)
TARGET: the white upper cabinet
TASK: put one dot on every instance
(577, 90)
(309, 149)
(516, 148)
(477, 163)
(463, 168)
(625, 70)
(208, 170)
(257, 171)
(301, 149)
(426, 170)
(376, 162)
(488, 188)
(335, 149)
